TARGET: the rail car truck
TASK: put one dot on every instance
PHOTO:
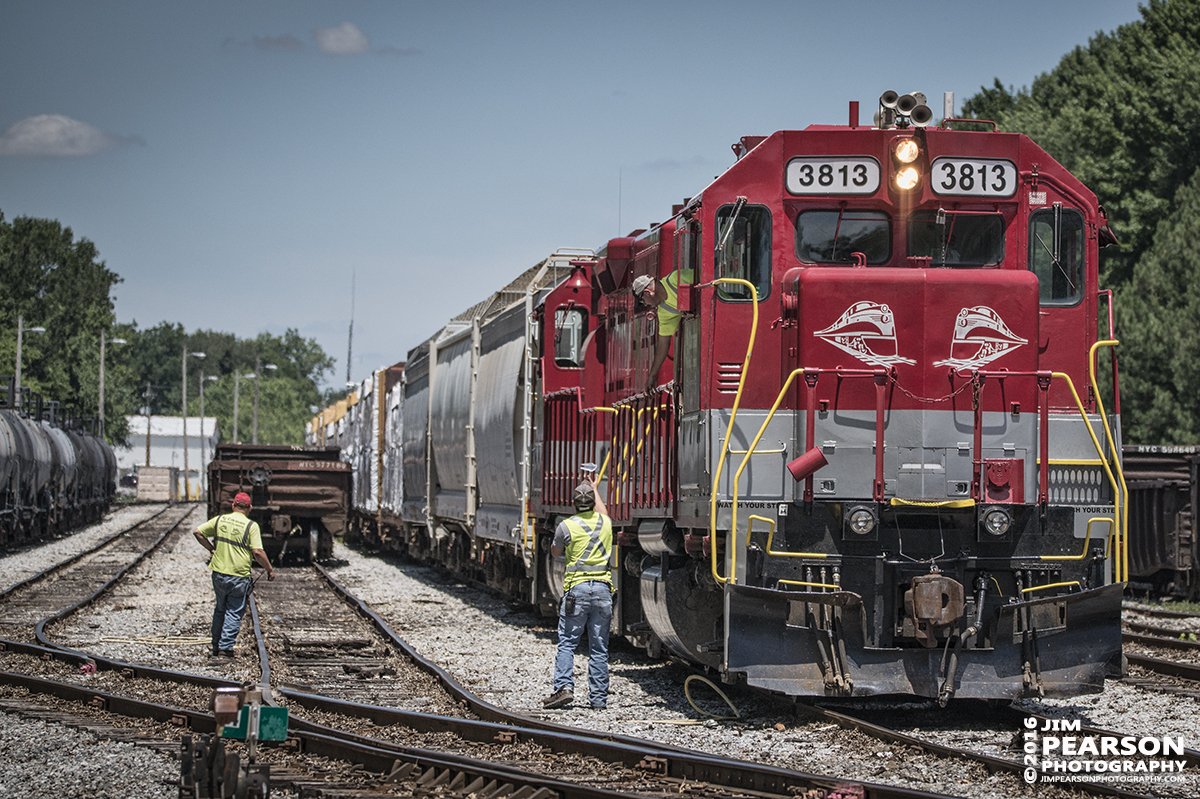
(301, 495)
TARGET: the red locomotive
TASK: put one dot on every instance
(875, 461)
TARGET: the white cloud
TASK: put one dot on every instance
(57, 135)
(345, 39)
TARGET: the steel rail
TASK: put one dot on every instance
(40, 628)
(388, 758)
(1163, 614)
(426, 768)
(1170, 668)
(62, 564)
(1166, 642)
(663, 759)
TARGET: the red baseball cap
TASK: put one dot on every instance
(242, 499)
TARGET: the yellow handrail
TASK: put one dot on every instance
(738, 476)
(1117, 495)
(771, 537)
(1086, 541)
(1048, 585)
(814, 585)
(932, 503)
(1123, 526)
(712, 510)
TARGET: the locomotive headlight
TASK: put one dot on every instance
(862, 521)
(907, 151)
(997, 521)
(907, 178)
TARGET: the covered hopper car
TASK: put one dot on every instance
(875, 460)
(301, 495)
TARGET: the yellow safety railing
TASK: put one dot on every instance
(1087, 539)
(771, 538)
(1033, 588)
(1123, 532)
(1118, 494)
(738, 475)
(737, 399)
(813, 585)
(932, 503)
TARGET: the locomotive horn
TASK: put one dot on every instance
(921, 116)
(905, 103)
(888, 99)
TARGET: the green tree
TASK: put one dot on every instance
(286, 393)
(58, 283)
(1121, 115)
(1160, 349)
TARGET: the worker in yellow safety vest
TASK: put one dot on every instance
(587, 606)
(236, 541)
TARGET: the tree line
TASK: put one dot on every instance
(59, 283)
(1121, 114)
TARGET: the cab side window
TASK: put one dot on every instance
(570, 328)
(743, 250)
(1056, 248)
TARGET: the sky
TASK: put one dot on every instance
(241, 165)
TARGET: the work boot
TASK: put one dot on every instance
(560, 698)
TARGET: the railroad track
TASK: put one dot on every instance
(317, 644)
(426, 745)
(529, 760)
(27, 607)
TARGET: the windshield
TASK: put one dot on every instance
(950, 239)
(834, 236)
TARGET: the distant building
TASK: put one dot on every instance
(166, 448)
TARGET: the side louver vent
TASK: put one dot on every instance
(728, 375)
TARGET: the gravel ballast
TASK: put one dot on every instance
(504, 652)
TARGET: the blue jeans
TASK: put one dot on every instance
(230, 607)
(593, 612)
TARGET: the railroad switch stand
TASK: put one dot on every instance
(208, 771)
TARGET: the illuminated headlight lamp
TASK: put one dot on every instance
(996, 521)
(907, 178)
(862, 520)
(907, 151)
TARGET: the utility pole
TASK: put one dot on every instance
(350, 340)
(147, 395)
(257, 368)
(237, 377)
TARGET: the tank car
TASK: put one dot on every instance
(300, 495)
(877, 459)
(55, 474)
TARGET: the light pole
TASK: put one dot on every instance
(187, 483)
(100, 423)
(258, 367)
(237, 377)
(203, 438)
(21, 329)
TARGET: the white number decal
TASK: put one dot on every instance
(832, 176)
(974, 177)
